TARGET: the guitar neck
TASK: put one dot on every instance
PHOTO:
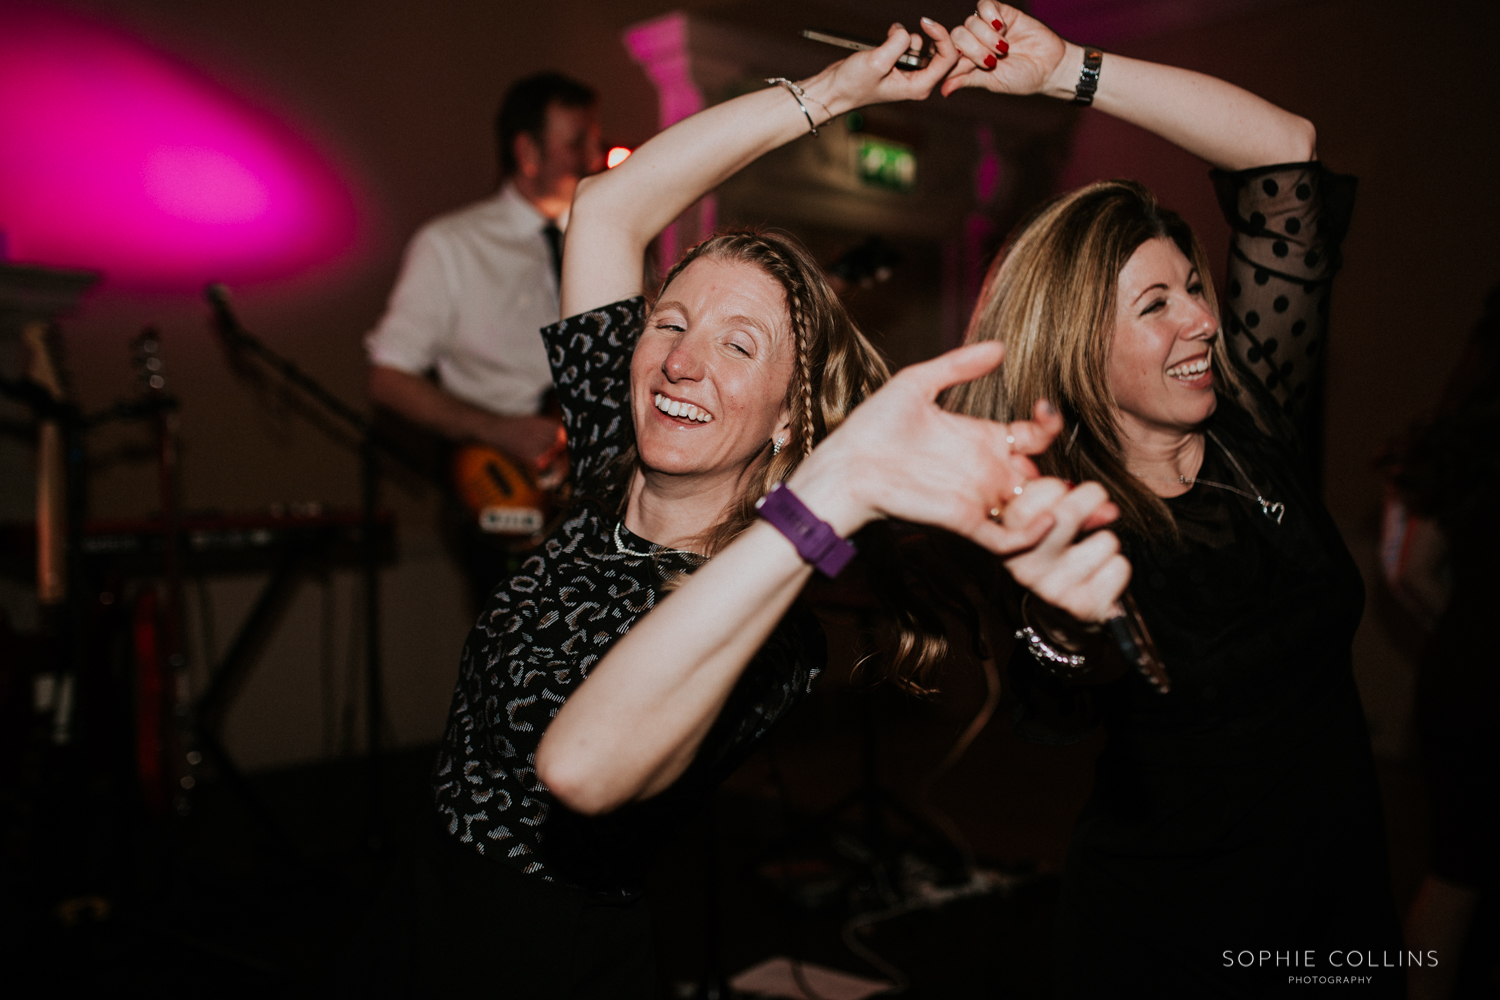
(51, 474)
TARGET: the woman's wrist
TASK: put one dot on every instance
(1056, 625)
(822, 97)
(826, 490)
(1062, 82)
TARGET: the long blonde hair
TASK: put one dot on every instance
(836, 366)
(1050, 297)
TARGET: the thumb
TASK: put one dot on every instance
(962, 364)
(897, 41)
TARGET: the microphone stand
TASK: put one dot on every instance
(372, 444)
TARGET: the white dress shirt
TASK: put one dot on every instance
(476, 286)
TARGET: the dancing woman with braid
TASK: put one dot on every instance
(653, 640)
(1234, 839)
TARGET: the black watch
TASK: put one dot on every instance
(1088, 80)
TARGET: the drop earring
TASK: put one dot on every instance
(775, 447)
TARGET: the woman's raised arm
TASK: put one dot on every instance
(1009, 52)
(616, 214)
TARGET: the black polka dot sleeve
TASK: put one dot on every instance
(590, 358)
(1288, 222)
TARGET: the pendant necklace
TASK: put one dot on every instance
(1274, 509)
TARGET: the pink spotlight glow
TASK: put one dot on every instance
(116, 156)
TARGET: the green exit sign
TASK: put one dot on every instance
(887, 164)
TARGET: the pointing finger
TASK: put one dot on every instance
(962, 364)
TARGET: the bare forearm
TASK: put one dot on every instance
(667, 174)
(427, 405)
(635, 726)
(617, 213)
(1226, 125)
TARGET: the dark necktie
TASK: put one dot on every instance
(555, 248)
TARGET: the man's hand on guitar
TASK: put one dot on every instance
(552, 466)
(534, 440)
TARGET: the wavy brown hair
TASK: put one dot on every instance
(1050, 297)
(836, 366)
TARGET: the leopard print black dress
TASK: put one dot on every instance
(543, 629)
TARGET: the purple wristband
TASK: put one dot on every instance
(816, 541)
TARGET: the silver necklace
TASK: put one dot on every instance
(623, 550)
(1274, 509)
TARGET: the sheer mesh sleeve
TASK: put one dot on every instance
(590, 358)
(1288, 223)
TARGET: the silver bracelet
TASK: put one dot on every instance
(797, 95)
(1088, 77)
(1043, 650)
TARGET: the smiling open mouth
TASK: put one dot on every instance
(681, 410)
(1189, 371)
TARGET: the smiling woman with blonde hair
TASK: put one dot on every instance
(1235, 820)
(1052, 298)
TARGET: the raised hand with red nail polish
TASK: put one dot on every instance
(1004, 50)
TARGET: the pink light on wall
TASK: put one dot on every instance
(116, 156)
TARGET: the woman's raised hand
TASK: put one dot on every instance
(871, 77)
(1004, 50)
(901, 455)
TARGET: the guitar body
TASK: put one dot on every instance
(502, 493)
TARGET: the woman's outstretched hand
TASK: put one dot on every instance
(871, 77)
(1004, 50)
(901, 455)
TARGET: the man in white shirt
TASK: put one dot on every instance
(478, 284)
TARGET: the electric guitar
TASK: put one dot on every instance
(511, 498)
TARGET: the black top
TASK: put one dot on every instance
(1240, 810)
(543, 629)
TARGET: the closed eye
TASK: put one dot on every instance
(674, 327)
(1154, 306)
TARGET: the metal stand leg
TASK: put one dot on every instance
(374, 696)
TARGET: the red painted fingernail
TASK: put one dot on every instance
(997, 25)
(989, 62)
(1002, 46)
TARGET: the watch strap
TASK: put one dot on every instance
(1088, 78)
(815, 539)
